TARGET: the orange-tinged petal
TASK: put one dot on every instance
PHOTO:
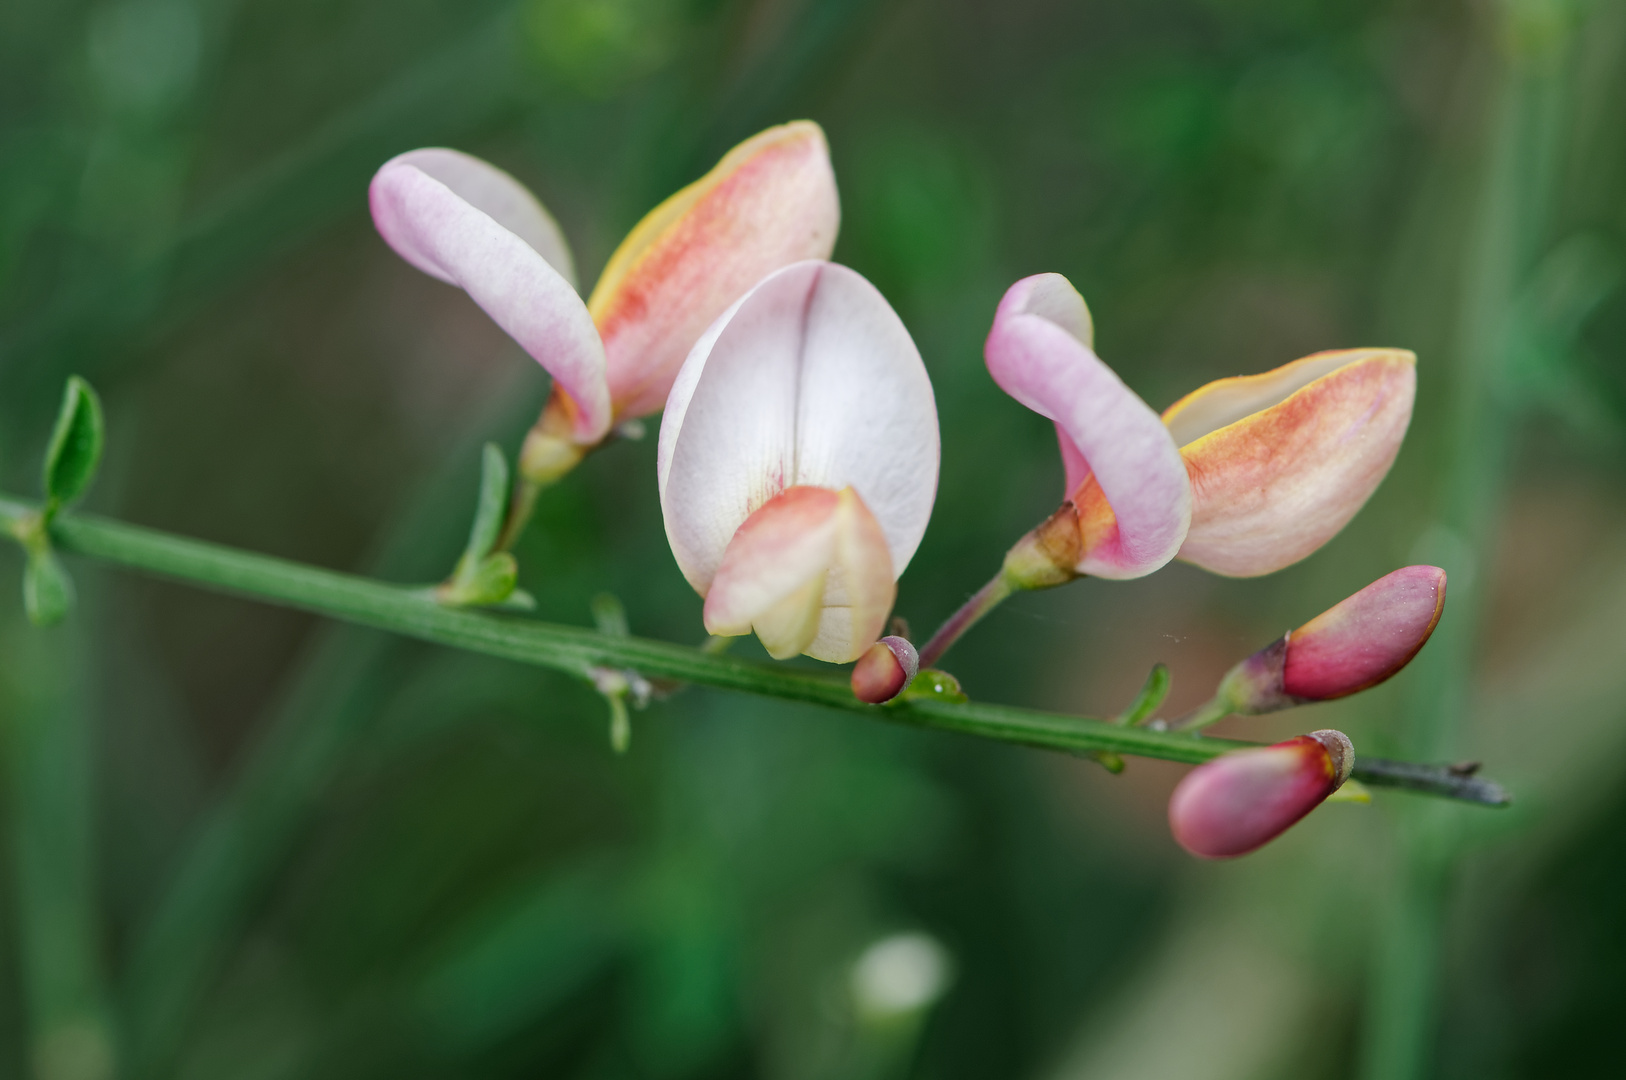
(1280, 462)
(770, 202)
(809, 572)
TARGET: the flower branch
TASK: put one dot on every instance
(578, 651)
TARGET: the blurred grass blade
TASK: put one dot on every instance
(328, 703)
(521, 958)
(49, 755)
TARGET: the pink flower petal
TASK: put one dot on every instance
(770, 202)
(500, 197)
(1039, 352)
(438, 230)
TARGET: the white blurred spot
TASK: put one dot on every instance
(900, 974)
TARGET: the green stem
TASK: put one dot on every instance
(521, 505)
(576, 651)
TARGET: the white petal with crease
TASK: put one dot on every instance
(810, 379)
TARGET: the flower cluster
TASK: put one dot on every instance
(799, 445)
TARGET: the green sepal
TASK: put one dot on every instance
(1158, 684)
(47, 589)
(490, 582)
(934, 685)
(1351, 791)
(76, 445)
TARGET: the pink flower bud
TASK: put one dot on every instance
(884, 670)
(1367, 638)
(1352, 646)
(1241, 801)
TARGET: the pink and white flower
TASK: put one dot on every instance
(798, 463)
(1242, 477)
(770, 202)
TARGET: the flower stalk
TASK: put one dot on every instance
(576, 651)
(985, 600)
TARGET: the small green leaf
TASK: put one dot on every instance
(492, 507)
(1146, 702)
(76, 444)
(934, 685)
(47, 589)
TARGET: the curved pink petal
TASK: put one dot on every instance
(809, 379)
(500, 197)
(443, 234)
(1243, 800)
(1039, 352)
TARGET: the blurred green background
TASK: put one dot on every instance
(243, 844)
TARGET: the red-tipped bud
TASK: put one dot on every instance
(1241, 801)
(1350, 647)
(884, 670)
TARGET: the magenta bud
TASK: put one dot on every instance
(1367, 638)
(1352, 646)
(884, 670)
(1241, 801)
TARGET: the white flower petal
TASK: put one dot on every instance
(812, 379)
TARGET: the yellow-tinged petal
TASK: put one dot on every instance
(1280, 462)
(770, 202)
(808, 572)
